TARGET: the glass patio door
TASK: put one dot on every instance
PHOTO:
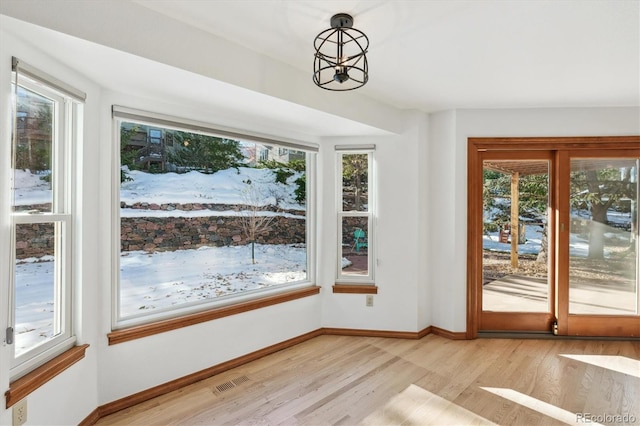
(517, 272)
(599, 289)
(553, 240)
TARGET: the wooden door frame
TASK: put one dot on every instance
(475, 148)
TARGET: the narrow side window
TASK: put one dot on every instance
(42, 218)
(356, 213)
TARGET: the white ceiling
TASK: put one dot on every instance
(425, 55)
(435, 55)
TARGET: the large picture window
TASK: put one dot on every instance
(356, 207)
(207, 218)
(45, 131)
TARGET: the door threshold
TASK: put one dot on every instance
(516, 335)
(545, 335)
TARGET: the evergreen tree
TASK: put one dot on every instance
(35, 132)
(204, 153)
(355, 169)
(284, 171)
(127, 155)
(598, 190)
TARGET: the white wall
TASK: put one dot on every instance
(425, 286)
(447, 161)
(398, 272)
(137, 365)
(441, 189)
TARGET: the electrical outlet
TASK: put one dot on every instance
(369, 300)
(20, 412)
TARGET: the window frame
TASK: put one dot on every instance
(66, 138)
(122, 114)
(370, 214)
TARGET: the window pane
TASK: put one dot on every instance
(515, 260)
(603, 257)
(209, 218)
(32, 176)
(355, 246)
(355, 179)
(37, 306)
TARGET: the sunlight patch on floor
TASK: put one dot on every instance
(617, 363)
(545, 408)
(417, 406)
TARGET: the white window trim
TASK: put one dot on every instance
(66, 135)
(124, 114)
(368, 279)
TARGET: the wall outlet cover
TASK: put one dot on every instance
(20, 412)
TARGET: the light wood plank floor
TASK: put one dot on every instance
(375, 381)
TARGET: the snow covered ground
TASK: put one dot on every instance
(223, 187)
(30, 188)
(163, 280)
(578, 245)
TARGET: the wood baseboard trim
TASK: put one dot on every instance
(179, 383)
(91, 419)
(31, 381)
(451, 335)
(376, 333)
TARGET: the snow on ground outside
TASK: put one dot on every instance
(162, 280)
(578, 245)
(223, 187)
(30, 188)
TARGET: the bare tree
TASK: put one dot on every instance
(254, 220)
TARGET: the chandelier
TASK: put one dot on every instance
(340, 60)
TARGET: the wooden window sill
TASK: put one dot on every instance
(31, 381)
(137, 332)
(355, 289)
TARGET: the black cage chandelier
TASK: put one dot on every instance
(340, 61)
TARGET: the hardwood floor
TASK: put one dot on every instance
(376, 381)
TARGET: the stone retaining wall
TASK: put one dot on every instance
(179, 233)
(172, 233)
(34, 240)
